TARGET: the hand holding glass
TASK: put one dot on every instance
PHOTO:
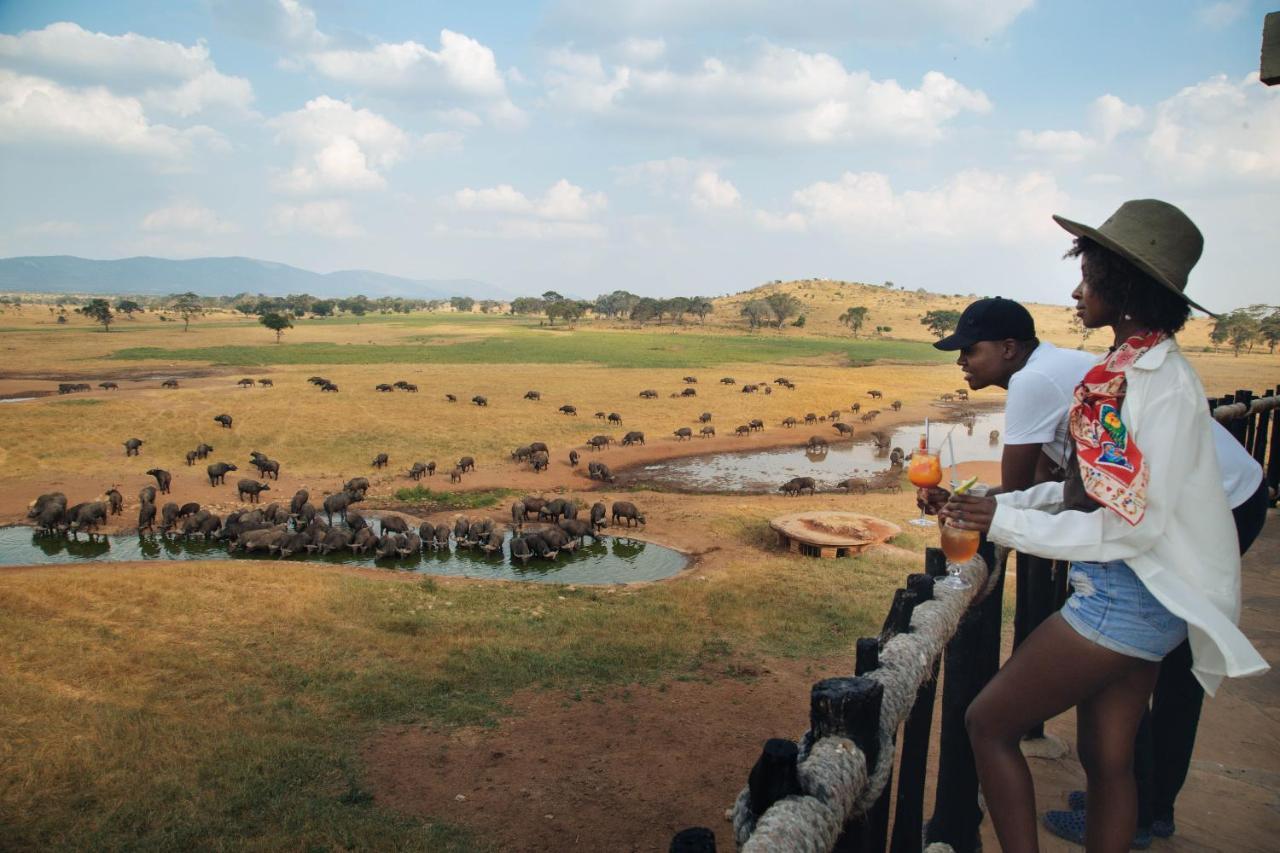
(959, 545)
(925, 472)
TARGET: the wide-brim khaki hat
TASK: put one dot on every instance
(1155, 236)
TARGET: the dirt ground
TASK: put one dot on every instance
(625, 769)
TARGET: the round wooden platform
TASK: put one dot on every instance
(822, 533)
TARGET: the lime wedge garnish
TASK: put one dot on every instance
(966, 485)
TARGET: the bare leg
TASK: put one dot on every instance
(1054, 669)
(1110, 720)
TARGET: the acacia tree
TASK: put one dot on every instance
(783, 306)
(854, 317)
(941, 322)
(276, 323)
(463, 304)
(98, 310)
(127, 307)
(700, 306)
(757, 312)
(186, 305)
(1269, 330)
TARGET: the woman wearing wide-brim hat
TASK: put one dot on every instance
(1144, 519)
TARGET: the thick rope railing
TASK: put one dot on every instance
(1236, 411)
(835, 782)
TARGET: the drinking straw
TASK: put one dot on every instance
(955, 477)
(926, 435)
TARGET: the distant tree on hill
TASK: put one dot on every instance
(700, 306)
(757, 312)
(323, 307)
(551, 296)
(1269, 330)
(186, 305)
(854, 318)
(941, 322)
(276, 323)
(462, 303)
(645, 309)
(527, 305)
(675, 307)
(98, 310)
(618, 304)
(783, 306)
(128, 307)
(358, 305)
(569, 309)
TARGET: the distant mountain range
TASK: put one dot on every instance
(220, 277)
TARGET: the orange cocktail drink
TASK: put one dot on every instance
(959, 545)
(925, 470)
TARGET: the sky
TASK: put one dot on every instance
(667, 147)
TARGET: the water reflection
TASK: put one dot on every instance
(762, 471)
(614, 560)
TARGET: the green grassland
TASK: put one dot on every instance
(223, 705)
(516, 345)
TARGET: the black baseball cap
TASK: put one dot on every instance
(994, 319)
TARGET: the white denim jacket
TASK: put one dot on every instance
(1185, 548)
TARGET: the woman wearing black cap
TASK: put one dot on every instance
(1145, 522)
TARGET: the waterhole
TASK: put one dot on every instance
(617, 559)
(759, 471)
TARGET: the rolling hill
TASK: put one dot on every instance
(219, 277)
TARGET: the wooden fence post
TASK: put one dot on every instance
(774, 774)
(1273, 455)
(913, 761)
(696, 839)
(848, 707)
(967, 669)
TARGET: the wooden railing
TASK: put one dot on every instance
(832, 789)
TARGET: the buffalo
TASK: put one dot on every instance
(218, 472)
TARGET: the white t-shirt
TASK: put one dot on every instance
(1241, 473)
(1040, 395)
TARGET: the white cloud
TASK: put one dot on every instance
(185, 216)
(338, 148)
(1069, 145)
(36, 110)
(462, 68)
(780, 93)
(503, 198)
(564, 211)
(641, 50)
(972, 204)
(1111, 117)
(1221, 15)
(563, 202)
(164, 74)
(712, 191)
(971, 20)
(1216, 130)
(323, 218)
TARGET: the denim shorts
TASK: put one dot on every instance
(1110, 606)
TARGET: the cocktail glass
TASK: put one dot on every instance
(959, 546)
(925, 472)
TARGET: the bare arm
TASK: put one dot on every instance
(1018, 467)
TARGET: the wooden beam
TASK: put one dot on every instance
(1271, 49)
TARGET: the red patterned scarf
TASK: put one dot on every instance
(1110, 463)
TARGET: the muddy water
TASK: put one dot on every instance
(615, 560)
(759, 471)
